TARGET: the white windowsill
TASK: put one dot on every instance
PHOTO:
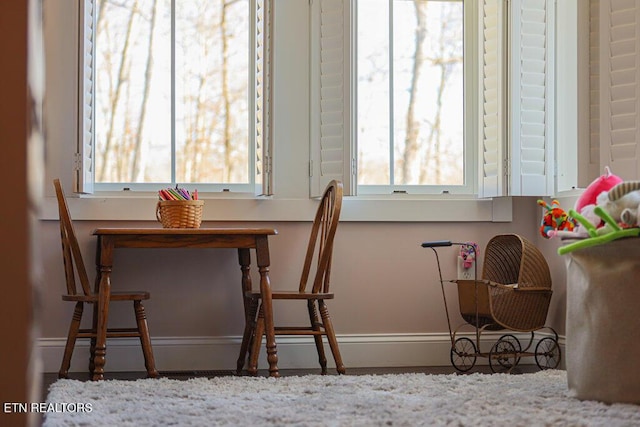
(387, 209)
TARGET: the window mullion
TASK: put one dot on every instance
(391, 99)
(173, 91)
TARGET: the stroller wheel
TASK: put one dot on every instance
(463, 354)
(503, 353)
(548, 353)
(518, 348)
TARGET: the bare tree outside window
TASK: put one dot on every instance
(172, 92)
(172, 100)
(410, 92)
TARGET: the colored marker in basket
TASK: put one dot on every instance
(177, 194)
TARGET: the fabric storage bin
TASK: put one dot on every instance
(603, 322)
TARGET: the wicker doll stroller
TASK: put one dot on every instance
(513, 294)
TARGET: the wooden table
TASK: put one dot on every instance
(242, 239)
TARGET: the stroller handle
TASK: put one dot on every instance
(437, 243)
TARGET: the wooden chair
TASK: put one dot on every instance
(314, 291)
(74, 270)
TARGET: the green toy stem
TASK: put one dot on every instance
(594, 239)
(591, 229)
(606, 218)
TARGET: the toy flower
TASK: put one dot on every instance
(555, 219)
(468, 253)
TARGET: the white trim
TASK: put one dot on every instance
(84, 158)
(392, 208)
(220, 353)
(492, 120)
(572, 83)
(619, 77)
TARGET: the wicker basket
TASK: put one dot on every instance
(509, 259)
(180, 213)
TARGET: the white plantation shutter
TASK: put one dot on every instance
(531, 98)
(83, 162)
(593, 159)
(491, 86)
(516, 114)
(331, 112)
(264, 15)
(619, 85)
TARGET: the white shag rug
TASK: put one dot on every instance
(539, 399)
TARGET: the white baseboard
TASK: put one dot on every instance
(220, 353)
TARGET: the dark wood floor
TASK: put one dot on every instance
(49, 378)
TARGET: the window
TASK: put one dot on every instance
(410, 96)
(176, 91)
(381, 121)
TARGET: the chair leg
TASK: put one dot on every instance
(74, 327)
(331, 337)
(92, 341)
(249, 329)
(257, 342)
(313, 318)
(145, 340)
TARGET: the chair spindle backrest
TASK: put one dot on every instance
(323, 232)
(72, 256)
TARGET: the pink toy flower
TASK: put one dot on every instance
(468, 253)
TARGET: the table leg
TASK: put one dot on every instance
(262, 259)
(101, 331)
(104, 263)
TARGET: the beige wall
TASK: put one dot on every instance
(385, 282)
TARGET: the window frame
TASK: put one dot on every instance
(260, 106)
(470, 131)
(508, 162)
